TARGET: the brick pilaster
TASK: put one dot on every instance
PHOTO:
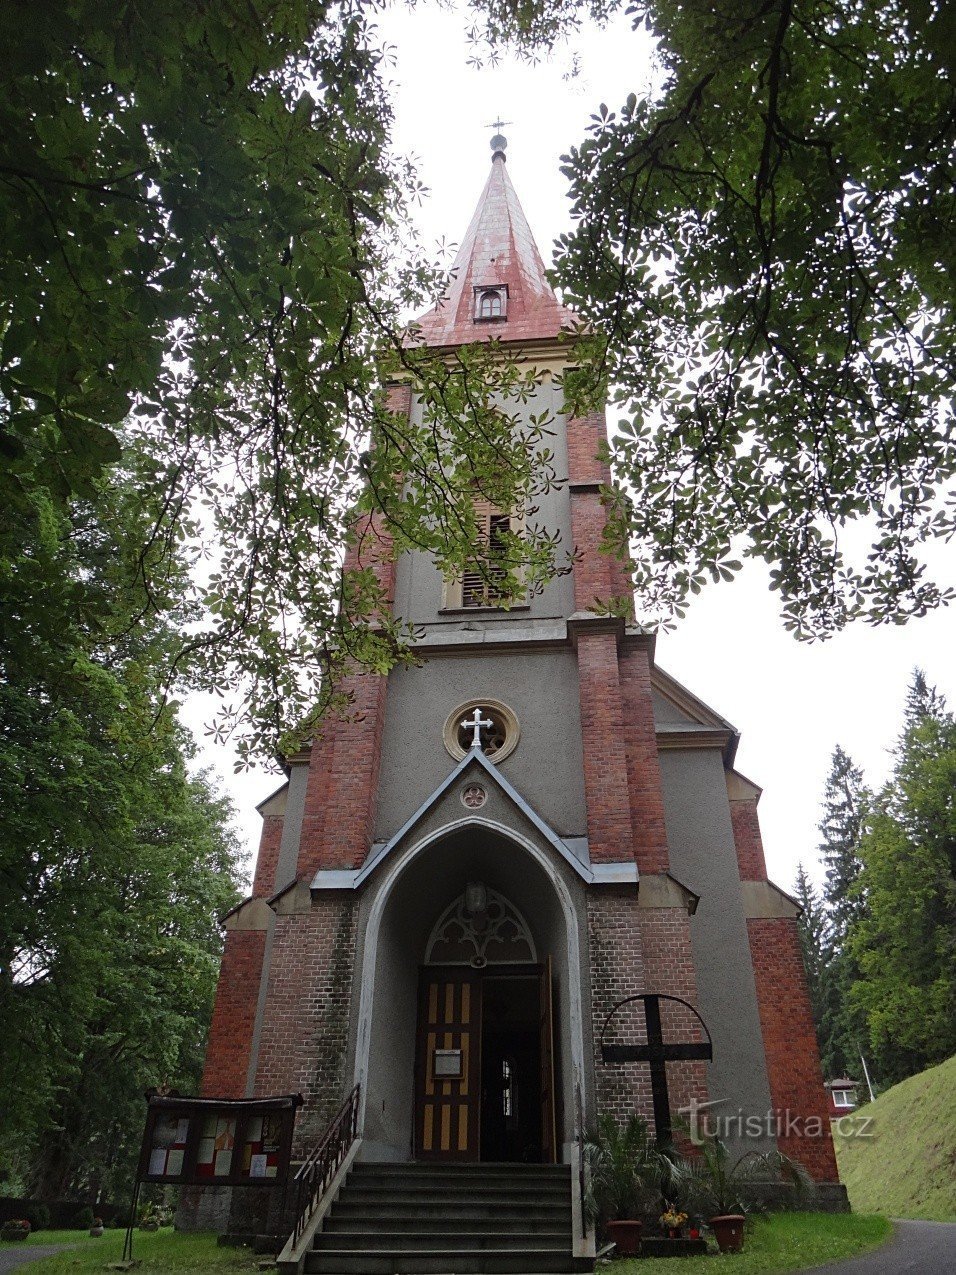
(645, 787)
(617, 971)
(342, 786)
(234, 1015)
(605, 757)
(587, 473)
(790, 1045)
(270, 839)
(747, 840)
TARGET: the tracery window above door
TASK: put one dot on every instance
(481, 927)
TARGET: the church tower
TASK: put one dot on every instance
(456, 887)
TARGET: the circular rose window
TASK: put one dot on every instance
(474, 796)
(497, 729)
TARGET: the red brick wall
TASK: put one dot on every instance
(669, 971)
(304, 1036)
(790, 1044)
(646, 799)
(750, 857)
(605, 759)
(234, 1015)
(617, 971)
(264, 882)
(637, 950)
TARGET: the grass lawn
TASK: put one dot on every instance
(903, 1166)
(161, 1251)
(780, 1242)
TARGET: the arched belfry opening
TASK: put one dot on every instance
(469, 1045)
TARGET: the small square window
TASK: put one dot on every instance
(491, 304)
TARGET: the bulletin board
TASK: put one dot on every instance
(218, 1142)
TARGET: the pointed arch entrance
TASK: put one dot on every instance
(484, 1054)
(470, 1038)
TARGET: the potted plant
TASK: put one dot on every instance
(97, 1228)
(624, 1171)
(18, 1228)
(722, 1186)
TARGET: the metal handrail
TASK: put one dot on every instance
(315, 1175)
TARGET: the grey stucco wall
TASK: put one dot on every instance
(418, 585)
(666, 712)
(292, 824)
(547, 768)
(702, 856)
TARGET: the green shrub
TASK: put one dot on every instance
(83, 1218)
(38, 1215)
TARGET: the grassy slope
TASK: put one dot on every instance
(780, 1242)
(163, 1252)
(908, 1168)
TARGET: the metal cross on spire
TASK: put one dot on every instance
(475, 726)
(498, 125)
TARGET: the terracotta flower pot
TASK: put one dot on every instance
(729, 1232)
(96, 1230)
(626, 1235)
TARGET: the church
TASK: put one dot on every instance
(523, 883)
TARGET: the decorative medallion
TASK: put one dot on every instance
(474, 796)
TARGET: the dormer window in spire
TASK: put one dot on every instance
(491, 303)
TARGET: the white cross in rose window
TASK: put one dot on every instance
(475, 726)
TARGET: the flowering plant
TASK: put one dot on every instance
(672, 1218)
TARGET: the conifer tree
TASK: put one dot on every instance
(845, 802)
(904, 944)
(844, 806)
(812, 927)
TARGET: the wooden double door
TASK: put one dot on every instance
(484, 1072)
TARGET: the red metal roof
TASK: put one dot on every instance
(498, 248)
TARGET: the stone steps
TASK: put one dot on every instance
(456, 1219)
(454, 1261)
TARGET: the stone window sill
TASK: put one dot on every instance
(500, 612)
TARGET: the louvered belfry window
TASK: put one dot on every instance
(480, 581)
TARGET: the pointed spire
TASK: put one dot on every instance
(498, 251)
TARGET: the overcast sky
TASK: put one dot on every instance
(791, 701)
